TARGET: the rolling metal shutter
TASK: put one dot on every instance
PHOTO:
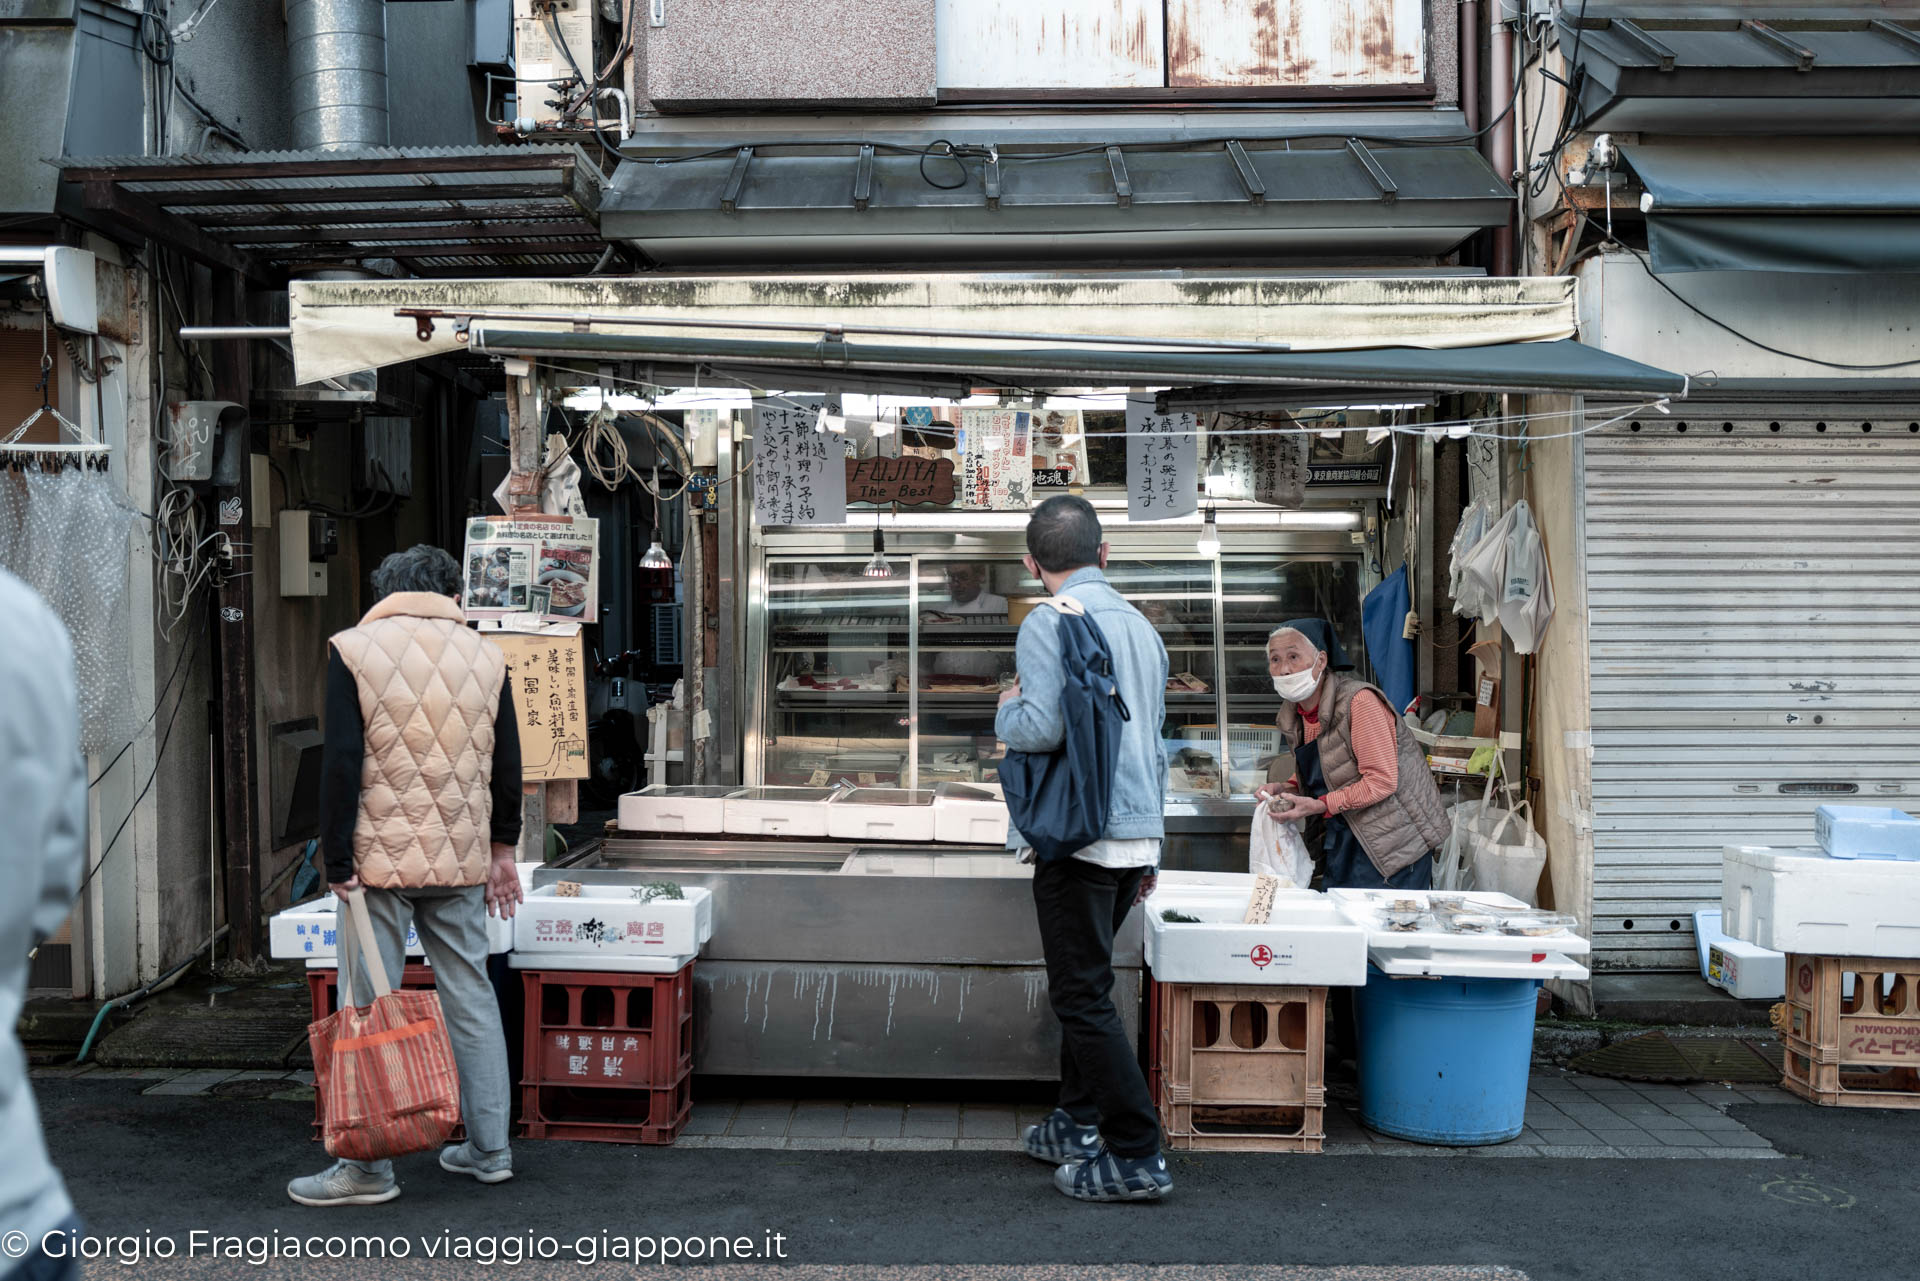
(1753, 578)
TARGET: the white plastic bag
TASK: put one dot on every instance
(1483, 574)
(1275, 849)
(1526, 590)
(1504, 854)
(1472, 528)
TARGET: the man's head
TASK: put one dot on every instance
(420, 568)
(966, 579)
(1062, 536)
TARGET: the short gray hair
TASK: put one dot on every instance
(1064, 534)
(421, 568)
(1297, 632)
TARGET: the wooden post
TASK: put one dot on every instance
(526, 446)
(232, 627)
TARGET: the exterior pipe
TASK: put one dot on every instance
(222, 333)
(1499, 140)
(1470, 63)
(337, 50)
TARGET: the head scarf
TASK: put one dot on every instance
(1321, 635)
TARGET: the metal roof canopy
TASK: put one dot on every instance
(875, 203)
(1560, 367)
(1718, 70)
(438, 211)
(1825, 205)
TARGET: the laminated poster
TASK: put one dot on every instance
(548, 676)
(799, 474)
(1268, 467)
(996, 459)
(532, 564)
(1059, 451)
(1162, 462)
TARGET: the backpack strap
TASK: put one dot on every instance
(1066, 605)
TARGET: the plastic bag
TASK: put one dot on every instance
(1472, 528)
(1483, 573)
(1503, 854)
(1275, 849)
(1526, 591)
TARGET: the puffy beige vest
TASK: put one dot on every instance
(1395, 832)
(429, 693)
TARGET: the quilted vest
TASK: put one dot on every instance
(1394, 832)
(429, 692)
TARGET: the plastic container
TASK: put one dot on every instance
(306, 931)
(1744, 970)
(1306, 941)
(1538, 924)
(609, 921)
(675, 809)
(881, 814)
(1446, 1061)
(969, 814)
(1802, 901)
(1867, 831)
(777, 811)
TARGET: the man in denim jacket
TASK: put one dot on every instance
(1103, 1137)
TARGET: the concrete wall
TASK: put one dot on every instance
(765, 53)
(236, 65)
(433, 98)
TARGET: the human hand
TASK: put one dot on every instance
(342, 888)
(1289, 808)
(1010, 692)
(1147, 884)
(503, 884)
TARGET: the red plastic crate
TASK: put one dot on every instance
(608, 1057)
(323, 987)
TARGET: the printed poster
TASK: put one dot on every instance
(1267, 467)
(996, 459)
(1162, 462)
(1059, 451)
(799, 474)
(532, 564)
(548, 676)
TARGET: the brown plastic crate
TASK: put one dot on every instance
(1240, 1068)
(1861, 1051)
(606, 1115)
(588, 1029)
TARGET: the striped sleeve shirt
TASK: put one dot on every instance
(1372, 735)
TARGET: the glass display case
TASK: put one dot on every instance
(894, 682)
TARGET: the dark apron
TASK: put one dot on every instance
(1346, 865)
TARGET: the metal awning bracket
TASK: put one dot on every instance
(736, 179)
(1803, 57)
(991, 176)
(1389, 190)
(863, 179)
(1894, 31)
(1635, 35)
(1122, 187)
(1249, 176)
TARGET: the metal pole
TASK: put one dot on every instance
(232, 627)
(1470, 63)
(525, 420)
(1499, 140)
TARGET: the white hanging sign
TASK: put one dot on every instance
(996, 459)
(1266, 467)
(1162, 462)
(799, 474)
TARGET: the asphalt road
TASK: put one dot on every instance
(1845, 1204)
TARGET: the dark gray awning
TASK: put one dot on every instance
(1716, 70)
(1835, 206)
(752, 206)
(1563, 366)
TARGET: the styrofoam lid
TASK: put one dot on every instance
(1470, 965)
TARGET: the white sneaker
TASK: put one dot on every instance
(344, 1183)
(493, 1167)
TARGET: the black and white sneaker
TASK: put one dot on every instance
(1058, 1140)
(1106, 1177)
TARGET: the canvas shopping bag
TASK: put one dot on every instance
(385, 1073)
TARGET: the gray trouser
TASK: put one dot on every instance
(452, 924)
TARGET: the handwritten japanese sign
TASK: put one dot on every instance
(1267, 467)
(1162, 462)
(799, 474)
(996, 459)
(548, 675)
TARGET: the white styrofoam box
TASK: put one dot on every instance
(307, 930)
(881, 814)
(1364, 907)
(607, 920)
(777, 811)
(1306, 940)
(969, 814)
(591, 963)
(1801, 900)
(661, 808)
(1866, 831)
(1553, 965)
(875, 863)
(1744, 970)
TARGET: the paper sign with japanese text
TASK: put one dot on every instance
(799, 474)
(996, 459)
(1252, 464)
(508, 557)
(548, 676)
(1059, 450)
(1162, 462)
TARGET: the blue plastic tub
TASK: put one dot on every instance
(1867, 831)
(1445, 1060)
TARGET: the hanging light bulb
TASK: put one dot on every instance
(1209, 544)
(656, 554)
(878, 566)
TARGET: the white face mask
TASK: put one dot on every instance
(1297, 687)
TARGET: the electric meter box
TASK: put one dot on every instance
(307, 541)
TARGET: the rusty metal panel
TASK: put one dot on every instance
(1253, 43)
(1050, 44)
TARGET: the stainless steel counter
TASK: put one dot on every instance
(812, 972)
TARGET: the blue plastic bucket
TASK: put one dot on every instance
(1445, 1060)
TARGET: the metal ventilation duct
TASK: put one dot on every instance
(338, 52)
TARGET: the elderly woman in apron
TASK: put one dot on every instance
(1358, 772)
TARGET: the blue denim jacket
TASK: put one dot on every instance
(1031, 722)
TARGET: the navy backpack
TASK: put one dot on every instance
(1059, 800)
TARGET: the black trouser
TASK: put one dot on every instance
(1081, 907)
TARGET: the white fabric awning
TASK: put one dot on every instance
(343, 326)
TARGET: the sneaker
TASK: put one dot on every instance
(344, 1183)
(1106, 1177)
(488, 1167)
(1059, 1140)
